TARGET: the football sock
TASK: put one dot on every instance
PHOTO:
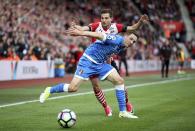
(120, 94)
(101, 97)
(126, 96)
(65, 88)
(59, 88)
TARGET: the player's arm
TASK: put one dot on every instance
(142, 20)
(77, 32)
(84, 28)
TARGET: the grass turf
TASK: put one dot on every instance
(162, 107)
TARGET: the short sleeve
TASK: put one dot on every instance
(121, 28)
(93, 26)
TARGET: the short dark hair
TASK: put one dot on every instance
(109, 11)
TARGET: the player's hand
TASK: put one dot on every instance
(144, 18)
(73, 24)
(73, 31)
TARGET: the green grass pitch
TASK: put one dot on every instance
(161, 106)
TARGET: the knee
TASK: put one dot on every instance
(120, 81)
(96, 86)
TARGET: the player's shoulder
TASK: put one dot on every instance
(120, 27)
(94, 24)
(116, 24)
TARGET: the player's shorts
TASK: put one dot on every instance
(86, 69)
(181, 63)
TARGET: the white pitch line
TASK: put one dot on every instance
(106, 90)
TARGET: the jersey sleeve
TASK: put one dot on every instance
(121, 28)
(93, 26)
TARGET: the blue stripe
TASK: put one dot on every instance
(120, 94)
(57, 88)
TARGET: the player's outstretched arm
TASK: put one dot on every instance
(74, 25)
(144, 19)
(76, 32)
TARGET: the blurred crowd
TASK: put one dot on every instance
(191, 8)
(34, 30)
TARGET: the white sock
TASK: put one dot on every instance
(120, 95)
(120, 87)
(66, 87)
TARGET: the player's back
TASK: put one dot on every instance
(100, 51)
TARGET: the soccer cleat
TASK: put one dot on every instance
(126, 114)
(45, 95)
(108, 111)
(129, 107)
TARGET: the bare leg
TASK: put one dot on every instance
(74, 84)
(61, 87)
(115, 78)
(100, 95)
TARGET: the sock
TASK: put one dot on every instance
(101, 97)
(129, 107)
(120, 94)
(126, 96)
(59, 88)
(65, 88)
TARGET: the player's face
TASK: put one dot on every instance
(106, 19)
(130, 39)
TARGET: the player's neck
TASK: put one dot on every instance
(106, 26)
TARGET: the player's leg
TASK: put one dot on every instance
(100, 95)
(126, 67)
(120, 63)
(167, 68)
(62, 87)
(162, 68)
(182, 70)
(118, 81)
(129, 105)
(113, 63)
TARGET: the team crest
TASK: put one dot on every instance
(80, 72)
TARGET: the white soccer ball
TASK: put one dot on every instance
(66, 118)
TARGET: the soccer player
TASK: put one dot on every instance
(93, 61)
(106, 26)
(181, 59)
(165, 55)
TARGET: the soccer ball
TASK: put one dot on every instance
(66, 118)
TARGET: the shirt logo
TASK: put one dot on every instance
(81, 71)
(110, 37)
(100, 30)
